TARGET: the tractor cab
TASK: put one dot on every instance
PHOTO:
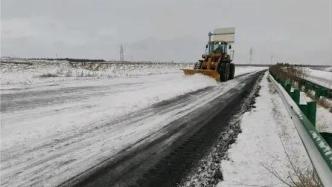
(216, 47)
(218, 50)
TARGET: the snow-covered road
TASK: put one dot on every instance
(52, 131)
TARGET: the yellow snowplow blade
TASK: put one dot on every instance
(211, 73)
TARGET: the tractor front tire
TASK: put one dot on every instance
(224, 72)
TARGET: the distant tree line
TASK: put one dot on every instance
(70, 59)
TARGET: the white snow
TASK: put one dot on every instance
(328, 69)
(239, 70)
(323, 119)
(50, 72)
(112, 99)
(323, 78)
(323, 116)
(259, 148)
(56, 127)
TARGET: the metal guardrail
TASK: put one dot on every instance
(309, 109)
(319, 89)
(290, 73)
(319, 151)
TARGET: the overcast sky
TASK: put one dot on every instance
(298, 31)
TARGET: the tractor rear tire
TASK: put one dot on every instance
(231, 71)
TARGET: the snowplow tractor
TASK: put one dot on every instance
(216, 62)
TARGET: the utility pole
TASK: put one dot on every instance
(121, 53)
(251, 51)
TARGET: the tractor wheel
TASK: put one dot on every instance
(224, 72)
(231, 71)
(228, 68)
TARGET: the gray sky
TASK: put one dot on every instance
(299, 31)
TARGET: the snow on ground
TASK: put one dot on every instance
(325, 68)
(110, 98)
(239, 70)
(55, 127)
(323, 119)
(50, 72)
(323, 116)
(328, 69)
(259, 148)
(320, 77)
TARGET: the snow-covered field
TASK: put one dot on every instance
(264, 145)
(320, 77)
(30, 73)
(58, 120)
(326, 68)
(40, 73)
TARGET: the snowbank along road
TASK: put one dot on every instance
(63, 131)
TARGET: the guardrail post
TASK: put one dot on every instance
(304, 108)
(320, 92)
(301, 85)
(317, 93)
(288, 87)
(328, 137)
(311, 112)
(283, 83)
(296, 96)
(329, 94)
(306, 86)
